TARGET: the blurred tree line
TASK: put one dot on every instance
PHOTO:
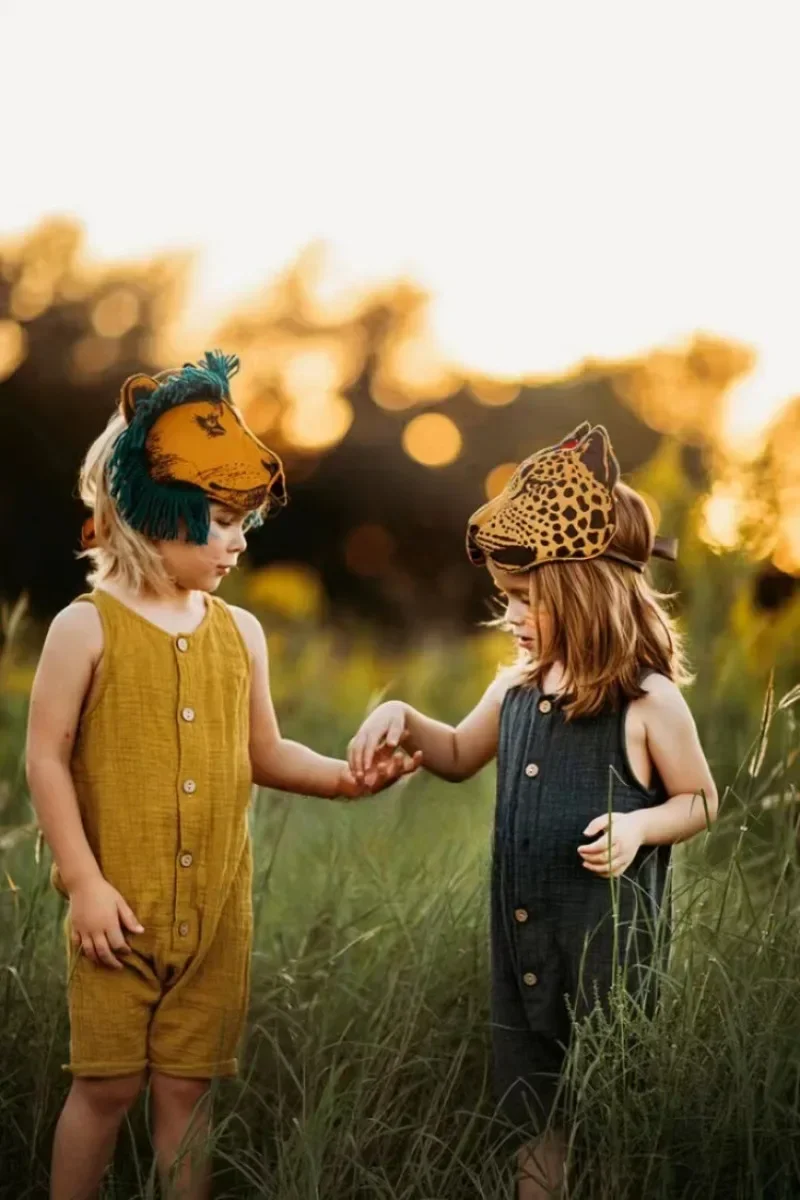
(335, 390)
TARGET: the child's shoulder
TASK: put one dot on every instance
(663, 700)
(80, 618)
(507, 677)
(249, 626)
(75, 633)
(661, 688)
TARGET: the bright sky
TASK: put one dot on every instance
(568, 179)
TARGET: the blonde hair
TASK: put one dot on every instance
(606, 620)
(120, 554)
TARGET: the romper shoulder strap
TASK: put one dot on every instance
(223, 619)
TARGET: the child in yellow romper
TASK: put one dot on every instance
(150, 718)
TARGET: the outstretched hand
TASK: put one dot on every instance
(387, 766)
(381, 735)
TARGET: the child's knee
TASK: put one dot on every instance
(108, 1097)
(177, 1094)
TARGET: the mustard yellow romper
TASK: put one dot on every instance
(162, 771)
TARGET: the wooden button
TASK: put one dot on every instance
(183, 928)
(187, 714)
(189, 786)
(532, 770)
(545, 706)
(520, 914)
(182, 644)
(186, 860)
(529, 979)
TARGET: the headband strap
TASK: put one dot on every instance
(663, 547)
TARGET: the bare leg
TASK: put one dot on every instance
(86, 1134)
(541, 1167)
(181, 1125)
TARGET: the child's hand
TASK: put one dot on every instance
(616, 849)
(98, 914)
(389, 767)
(385, 728)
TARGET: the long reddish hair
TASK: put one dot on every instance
(606, 620)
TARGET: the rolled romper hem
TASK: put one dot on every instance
(105, 1070)
(213, 1070)
(110, 1070)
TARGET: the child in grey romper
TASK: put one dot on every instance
(591, 704)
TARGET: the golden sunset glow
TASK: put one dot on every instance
(497, 479)
(116, 313)
(13, 341)
(510, 249)
(432, 439)
(531, 268)
(722, 515)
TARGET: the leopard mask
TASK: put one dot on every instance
(557, 507)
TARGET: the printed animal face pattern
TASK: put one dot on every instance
(205, 442)
(558, 506)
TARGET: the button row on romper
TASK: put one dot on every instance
(189, 786)
(521, 914)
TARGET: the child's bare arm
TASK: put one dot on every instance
(675, 750)
(71, 650)
(452, 753)
(290, 766)
(678, 757)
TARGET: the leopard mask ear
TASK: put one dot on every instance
(596, 453)
(572, 439)
(135, 389)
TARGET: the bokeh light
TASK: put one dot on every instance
(318, 415)
(30, 297)
(13, 346)
(432, 439)
(292, 590)
(722, 515)
(116, 313)
(412, 366)
(497, 479)
(494, 392)
(92, 355)
(317, 420)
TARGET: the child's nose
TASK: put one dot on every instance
(515, 611)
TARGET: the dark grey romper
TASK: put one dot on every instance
(553, 778)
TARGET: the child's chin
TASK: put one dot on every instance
(201, 583)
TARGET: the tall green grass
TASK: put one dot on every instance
(365, 1068)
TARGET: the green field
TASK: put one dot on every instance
(366, 1061)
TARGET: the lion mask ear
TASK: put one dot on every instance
(135, 389)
